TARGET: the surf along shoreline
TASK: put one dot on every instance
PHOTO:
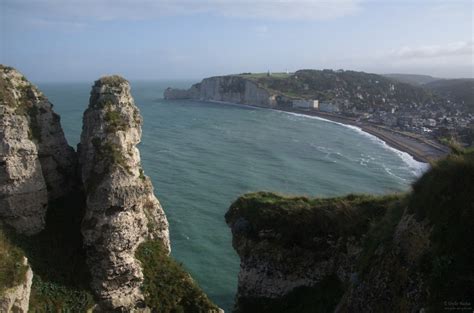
(418, 147)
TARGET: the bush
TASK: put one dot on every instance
(445, 197)
(299, 219)
(12, 269)
(167, 286)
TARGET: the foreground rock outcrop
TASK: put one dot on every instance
(36, 163)
(401, 253)
(122, 211)
(110, 216)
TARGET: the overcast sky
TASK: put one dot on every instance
(72, 40)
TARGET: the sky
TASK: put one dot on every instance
(72, 40)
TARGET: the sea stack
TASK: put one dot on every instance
(122, 211)
(36, 163)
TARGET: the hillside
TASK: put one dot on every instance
(456, 90)
(412, 79)
(395, 253)
(351, 90)
(359, 90)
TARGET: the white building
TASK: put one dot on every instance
(306, 104)
(328, 107)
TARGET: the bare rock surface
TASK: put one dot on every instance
(232, 89)
(36, 163)
(122, 211)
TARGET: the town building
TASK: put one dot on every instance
(306, 104)
(329, 107)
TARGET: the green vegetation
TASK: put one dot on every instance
(321, 298)
(380, 234)
(167, 286)
(340, 217)
(112, 80)
(362, 90)
(114, 121)
(111, 156)
(142, 174)
(24, 106)
(460, 91)
(442, 200)
(261, 75)
(445, 197)
(12, 269)
(61, 278)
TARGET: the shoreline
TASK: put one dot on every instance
(419, 148)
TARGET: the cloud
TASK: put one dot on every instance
(434, 51)
(152, 9)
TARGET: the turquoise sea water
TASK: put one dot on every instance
(202, 156)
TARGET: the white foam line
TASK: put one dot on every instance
(418, 168)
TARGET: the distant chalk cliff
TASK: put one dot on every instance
(232, 88)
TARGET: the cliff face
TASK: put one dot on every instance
(111, 215)
(400, 253)
(234, 89)
(36, 163)
(122, 211)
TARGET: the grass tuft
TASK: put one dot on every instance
(167, 286)
(12, 269)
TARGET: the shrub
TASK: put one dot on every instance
(167, 286)
(12, 269)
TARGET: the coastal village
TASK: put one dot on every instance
(411, 118)
(417, 119)
(435, 117)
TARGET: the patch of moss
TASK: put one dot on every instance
(320, 298)
(114, 122)
(167, 286)
(142, 174)
(24, 106)
(12, 269)
(110, 155)
(114, 155)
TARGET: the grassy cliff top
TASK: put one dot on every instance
(112, 80)
(442, 200)
(299, 219)
(326, 85)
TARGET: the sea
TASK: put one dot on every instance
(202, 156)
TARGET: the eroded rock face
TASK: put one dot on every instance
(36, 163)
(233, 89)
(17, 298)
(122, 210)
(271, 271)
